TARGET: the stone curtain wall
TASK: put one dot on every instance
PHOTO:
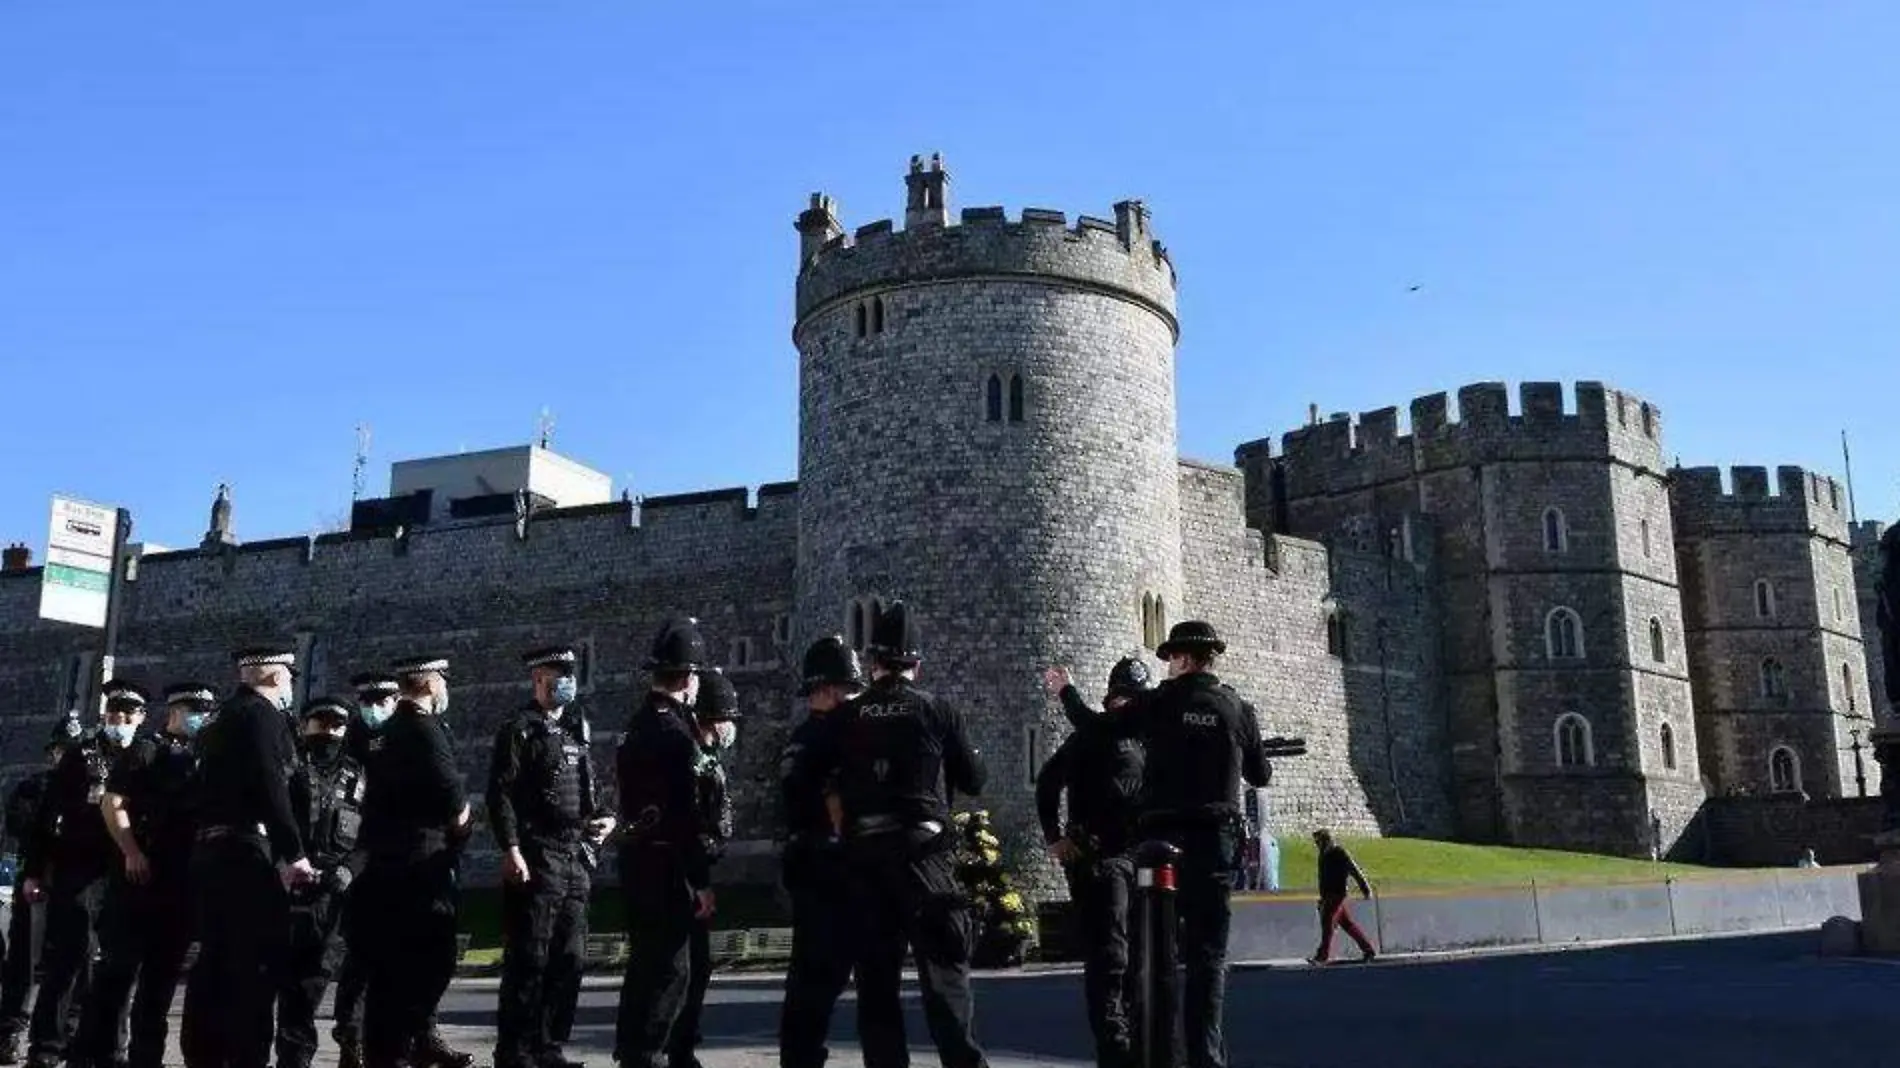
(476, 593)
(1772, 831)
(1375, 732)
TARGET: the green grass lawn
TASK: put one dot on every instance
(740, 908)
(1399, 863)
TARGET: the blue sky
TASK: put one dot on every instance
(229, 233)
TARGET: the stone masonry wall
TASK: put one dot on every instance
(479, 595)
(1867, 575)
(1371, 714)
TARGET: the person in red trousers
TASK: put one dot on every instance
(1336, 866)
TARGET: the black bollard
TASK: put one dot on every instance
(1155, 937)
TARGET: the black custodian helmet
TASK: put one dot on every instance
(894, 637)
(718, 700)
(830, 662)
(677, 647)
(1128, 676)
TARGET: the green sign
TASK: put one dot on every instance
(77, 578)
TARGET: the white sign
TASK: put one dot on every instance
(78, 572)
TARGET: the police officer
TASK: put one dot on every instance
(813, 871)
(898, 755)
(1102, 776)
(17, 976)
(326, 793)
(543, 811)
(1202, 739)
(249, 853)
(402, 907)
(716, 723)
(150, 806)
(375, 703)
(68, 863)
(665, 869)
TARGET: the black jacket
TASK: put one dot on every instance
(69, 835)
(414, 791)
(657, 772)
(1202, 740)
(540, 779)
(246, 755)
(1102, 775)
(898, 755)
(157, 778)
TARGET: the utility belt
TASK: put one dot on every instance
(873, 826)
(1095, 846)
(220, 831)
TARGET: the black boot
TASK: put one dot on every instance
(10, 1048)
(432, 1052)
(349, 1051)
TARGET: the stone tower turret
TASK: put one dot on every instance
(987, 431)
(927, 201)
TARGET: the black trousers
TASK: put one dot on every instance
(73, 904)
(144, 932)
(660, 925)
(821, 955)
(26, 929)
(905, 899)
(243, 915)
(1204, 881)
(311, 958)
(544, 938)
(347, 1009)
(686, 1034)
(1101, 891)
(402, 922)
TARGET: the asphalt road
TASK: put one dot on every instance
(1764, 1001)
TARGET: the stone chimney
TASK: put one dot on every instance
(15, 558)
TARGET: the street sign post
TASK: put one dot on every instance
(76, 583)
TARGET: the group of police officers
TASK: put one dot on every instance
(295, 848)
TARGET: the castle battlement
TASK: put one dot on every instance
(1800, 501)
(1347, 453)
(1095, 253)
(1866, 534)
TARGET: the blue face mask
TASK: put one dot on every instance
(565, 690)
(374, 716)
(121, 733)
(195, 722)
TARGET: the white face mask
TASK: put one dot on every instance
(724, 734)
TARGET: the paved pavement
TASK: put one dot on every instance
(1765, 1001)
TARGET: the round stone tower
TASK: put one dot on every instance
(987, 432)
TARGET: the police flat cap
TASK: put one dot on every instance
(420, 665)
(328, 707)
(374, 682)
(126, 692)
(1191, 636)
(560, 657)
(190, 693)
(265, 656)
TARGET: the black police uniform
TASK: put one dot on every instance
(1102, 776)
(717, 702)
(246, 829)
(26, 927)
(71, 858)
(145, 928)
(898, 755)
(813, 872)
(402, 907)
(541, 797)
(326, 793)
(347, 1007)
(1202, 739)
(664, 861)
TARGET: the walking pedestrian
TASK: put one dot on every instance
(813, 863)
(1101, 774)
(249, 853)
(543, 812)
(665, 865)
(1336, 866)
(402, 906)
(897, 756)
(326, 793)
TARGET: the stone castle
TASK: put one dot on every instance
(1502, 626)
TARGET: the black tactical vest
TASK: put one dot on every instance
(328, 799)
